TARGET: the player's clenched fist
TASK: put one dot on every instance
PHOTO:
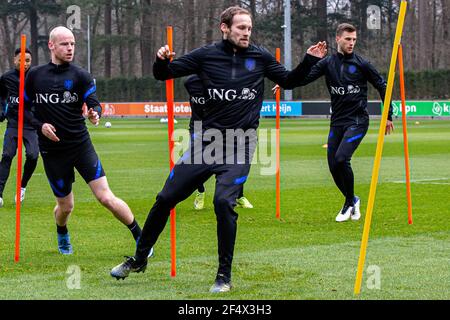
(165, 53)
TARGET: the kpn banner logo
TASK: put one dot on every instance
(441, 109)
(423, 108)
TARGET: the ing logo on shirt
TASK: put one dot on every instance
(55, 98)
(232, 94)
(14, 100)
(351, 89)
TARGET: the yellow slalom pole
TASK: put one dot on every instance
(379, 151)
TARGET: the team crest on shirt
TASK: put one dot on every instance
(250, 64)
(351, 68)
(68, 84)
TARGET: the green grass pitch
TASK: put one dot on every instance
(306, 255)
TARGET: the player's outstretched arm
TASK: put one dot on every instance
(297, 77)
(164, 68)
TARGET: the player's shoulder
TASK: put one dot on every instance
(360, 59)
(79, 69)
(9, 73)
(39, 68)
(8, 76)
(36, 70)
(328, 59)
(256, 48)
(204, 49)
(80, 72)
(259, 52)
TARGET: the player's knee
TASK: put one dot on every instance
(66, 208)
(107, 199)
(32, 156)
(333, 166)
(340, 159)
(165, 199)
(7, 158)
(221, 202)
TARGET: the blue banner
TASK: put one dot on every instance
(287, 109)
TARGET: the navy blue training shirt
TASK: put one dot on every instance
(233, 81)
(57, 94)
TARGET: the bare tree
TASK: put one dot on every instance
(146, 36)
(322, 30)
(108, 32)
(130, 22)
(120, 26)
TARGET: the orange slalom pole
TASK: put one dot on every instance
(170, 118)
(19, 144)
(278, 184)
(405, 132)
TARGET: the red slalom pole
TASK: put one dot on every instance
(278, 102)
(170, 118)
(405, 132)
(19, 143)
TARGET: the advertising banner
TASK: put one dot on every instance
(423, 108)
(150, 109)
(287, 109)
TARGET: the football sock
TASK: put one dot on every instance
(135, 229)
(62, 230)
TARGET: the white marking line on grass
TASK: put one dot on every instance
(425, 181)
(440, 183)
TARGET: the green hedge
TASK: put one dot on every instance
(419, 85)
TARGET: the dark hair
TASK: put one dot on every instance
(228, 15)
(17, 51)
(344, 27)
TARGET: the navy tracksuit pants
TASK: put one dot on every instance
(342, 143)
(184, 179)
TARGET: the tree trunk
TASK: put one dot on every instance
(34, 32)
(108, 31)
(130, 35)
(322, 17)
(253, 8)
(424, 34)
(190, 25)
(119, 25)
(146, 38)
(210, 29)
(446, 21)
(9, 45)
(433, 37)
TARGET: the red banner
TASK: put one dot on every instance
(151, 109)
